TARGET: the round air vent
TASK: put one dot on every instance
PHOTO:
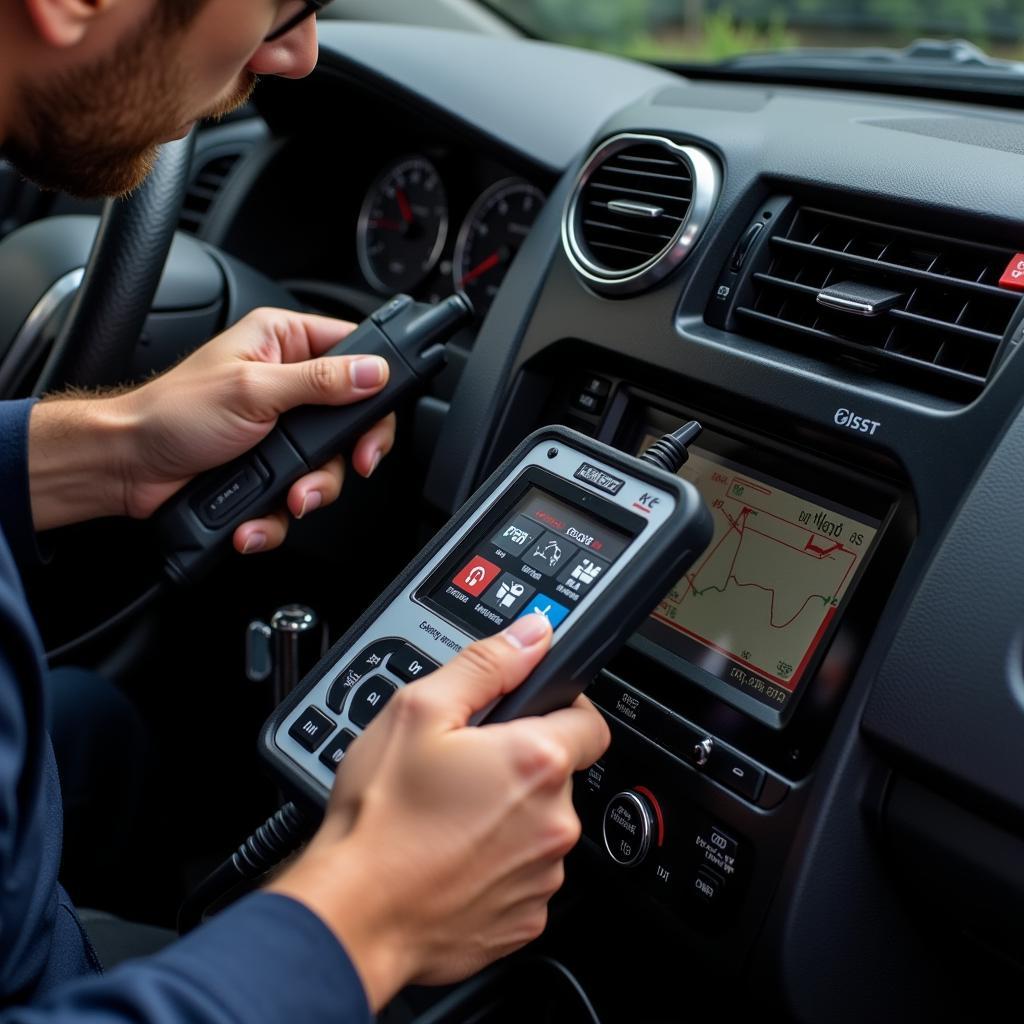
(638, 207)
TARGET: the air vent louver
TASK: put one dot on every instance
(944, 318)
(638, 207)
(203, 191)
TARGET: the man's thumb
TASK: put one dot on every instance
(327, 380)
(490, 668)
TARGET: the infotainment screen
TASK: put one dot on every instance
(757, 606)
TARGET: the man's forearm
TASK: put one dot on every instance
(77, 460)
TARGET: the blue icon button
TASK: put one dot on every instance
(554, 611)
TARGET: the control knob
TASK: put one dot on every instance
(629, 824)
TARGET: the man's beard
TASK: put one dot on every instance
(95, 131)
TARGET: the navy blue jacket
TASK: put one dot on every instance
(267, 958)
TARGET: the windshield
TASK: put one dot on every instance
(683, 31)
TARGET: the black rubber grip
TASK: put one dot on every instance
(196, 525)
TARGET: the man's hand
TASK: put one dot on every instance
(127, 454)
(444, 842)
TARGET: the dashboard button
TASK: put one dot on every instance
(407, 663)
(717, 850)
(702, 751)
(628, 827)
(599, 386)
(589, 403)
(335, 750)
(369, 700)
(311, 728)
(736, 773)
(707, 887)
(645, 716)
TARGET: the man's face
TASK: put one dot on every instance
(93, 128)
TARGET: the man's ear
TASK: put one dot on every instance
(64, 23)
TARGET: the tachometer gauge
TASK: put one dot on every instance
(493, 232)
(403, 225)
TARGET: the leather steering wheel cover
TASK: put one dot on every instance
(96, 342)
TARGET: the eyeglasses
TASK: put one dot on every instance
(292, 17)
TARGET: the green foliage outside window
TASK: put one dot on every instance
(715, 29)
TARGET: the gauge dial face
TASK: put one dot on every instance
(403, 225)
(493, 232)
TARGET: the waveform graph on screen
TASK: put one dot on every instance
(770, 582)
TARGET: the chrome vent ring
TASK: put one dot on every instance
(636, 211)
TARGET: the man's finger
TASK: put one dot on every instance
(313, 336)
(317, 489)
(374, 445)
(329, 380)
(296, 336)
(488, 669)
(580, 730)
(264, 534)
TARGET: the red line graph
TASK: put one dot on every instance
(740, 524)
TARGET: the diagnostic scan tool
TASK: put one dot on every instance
(587, 535)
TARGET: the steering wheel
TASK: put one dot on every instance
(96, 342)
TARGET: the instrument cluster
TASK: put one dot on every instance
(422, 231)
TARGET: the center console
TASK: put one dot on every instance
(722, 700)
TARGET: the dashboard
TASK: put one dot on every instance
(819, 728)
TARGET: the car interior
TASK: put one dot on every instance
(819, 258)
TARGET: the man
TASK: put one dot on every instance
(442, 844)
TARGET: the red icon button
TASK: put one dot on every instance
(475, 577)
(1013, 275)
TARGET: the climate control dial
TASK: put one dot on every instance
(629, 824)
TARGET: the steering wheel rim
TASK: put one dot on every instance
(95, 344)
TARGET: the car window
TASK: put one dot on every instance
(709, 30)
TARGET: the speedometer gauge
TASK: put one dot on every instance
(493, 232)
(403, 225)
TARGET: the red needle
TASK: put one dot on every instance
(481, 268)
(403, 205)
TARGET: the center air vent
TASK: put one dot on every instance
(916, 306)
(638, 207)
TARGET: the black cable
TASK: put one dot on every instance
(141, 602)
(277, 838)
(669, 452)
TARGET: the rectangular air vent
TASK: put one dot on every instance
(940, 316)
(203, 190)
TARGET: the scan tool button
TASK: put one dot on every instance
(364, 664)
(554, 611)
(407, 663)
(549, 553)
(229, 495)
(516, 536)
(391, 309)
(582, 572)
(476, 576)
(508, 595)
(335, 750)
(369, 700)
(311, 728)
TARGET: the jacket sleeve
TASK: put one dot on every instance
(15, 501)
(266, 960)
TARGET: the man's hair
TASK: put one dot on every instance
(177, 14)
